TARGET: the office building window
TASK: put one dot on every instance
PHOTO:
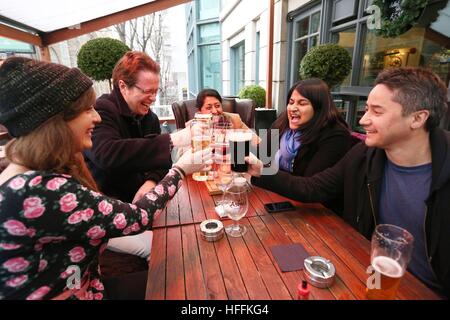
(210, 67)
(345, 38)
(238, 67)
(208, 9)
(305, 35)
(209, 33)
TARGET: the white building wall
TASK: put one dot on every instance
(242, 19)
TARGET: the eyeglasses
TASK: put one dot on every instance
(146, 92)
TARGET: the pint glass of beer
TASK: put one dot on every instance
(239, 140)
(200, 139)
(390, 254)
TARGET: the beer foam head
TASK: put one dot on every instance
(239, 136)
(387, 266)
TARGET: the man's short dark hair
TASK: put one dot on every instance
(417, 89)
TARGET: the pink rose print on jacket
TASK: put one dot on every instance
(49, 239)
(33, 208)
(98, 296)
(96, 232)
(120, 221)
(159, 189)
(15, 228)
(42, 265)
(55, 183)
(18, 264)
(68, 202)
(39, 293)
(78, 216)
(97, 285)
(77, 254)
(17, 183)
(17, 282)
(10, 246)
(151, 196)
(66, 273)
(74, 218)
(105, 207)
(35, 181)
(144, 217)
(172, 189)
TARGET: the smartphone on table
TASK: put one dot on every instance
(279, 206)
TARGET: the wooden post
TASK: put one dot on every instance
(270, 55)
(45, 53)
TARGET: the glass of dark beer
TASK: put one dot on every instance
(390, 254)
(239, 140)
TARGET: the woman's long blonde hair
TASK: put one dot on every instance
(51, 146)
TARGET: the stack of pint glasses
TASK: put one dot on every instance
(201, 132)
(222, 171)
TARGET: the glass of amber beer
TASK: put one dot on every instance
(390, 254)
(200, 139)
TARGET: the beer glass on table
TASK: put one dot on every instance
(391, 250)
(239, 140)
(200, 139)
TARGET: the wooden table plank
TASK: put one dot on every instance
(198, 213)
(290, 279)
(184, 204)
(212, 275)
(297, 237)
(249, 272)
(175, 284)
(337, 289)
(156, 281)
(265, 267)
(230, 271)
(195, 288)
(173, 212)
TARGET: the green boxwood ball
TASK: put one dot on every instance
(97, 57)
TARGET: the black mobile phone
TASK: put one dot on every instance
(279, 206)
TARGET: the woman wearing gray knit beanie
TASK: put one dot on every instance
(53, 221)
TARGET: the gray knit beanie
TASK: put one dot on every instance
(33, 91)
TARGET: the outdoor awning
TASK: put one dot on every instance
(46, 22)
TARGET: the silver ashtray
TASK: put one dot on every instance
(320, 272)
(211, 230)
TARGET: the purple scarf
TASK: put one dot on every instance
(289, 146)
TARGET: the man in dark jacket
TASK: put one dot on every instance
(129, 154)
(400, 176)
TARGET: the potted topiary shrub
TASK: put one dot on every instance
(254, 92)
(97, 57)
(329, 62)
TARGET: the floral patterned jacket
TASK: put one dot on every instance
(52, 227)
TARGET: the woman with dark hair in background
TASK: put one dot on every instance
(313, 135)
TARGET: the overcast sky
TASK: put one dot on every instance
(176, 22)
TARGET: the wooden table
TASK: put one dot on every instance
(184, 266)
